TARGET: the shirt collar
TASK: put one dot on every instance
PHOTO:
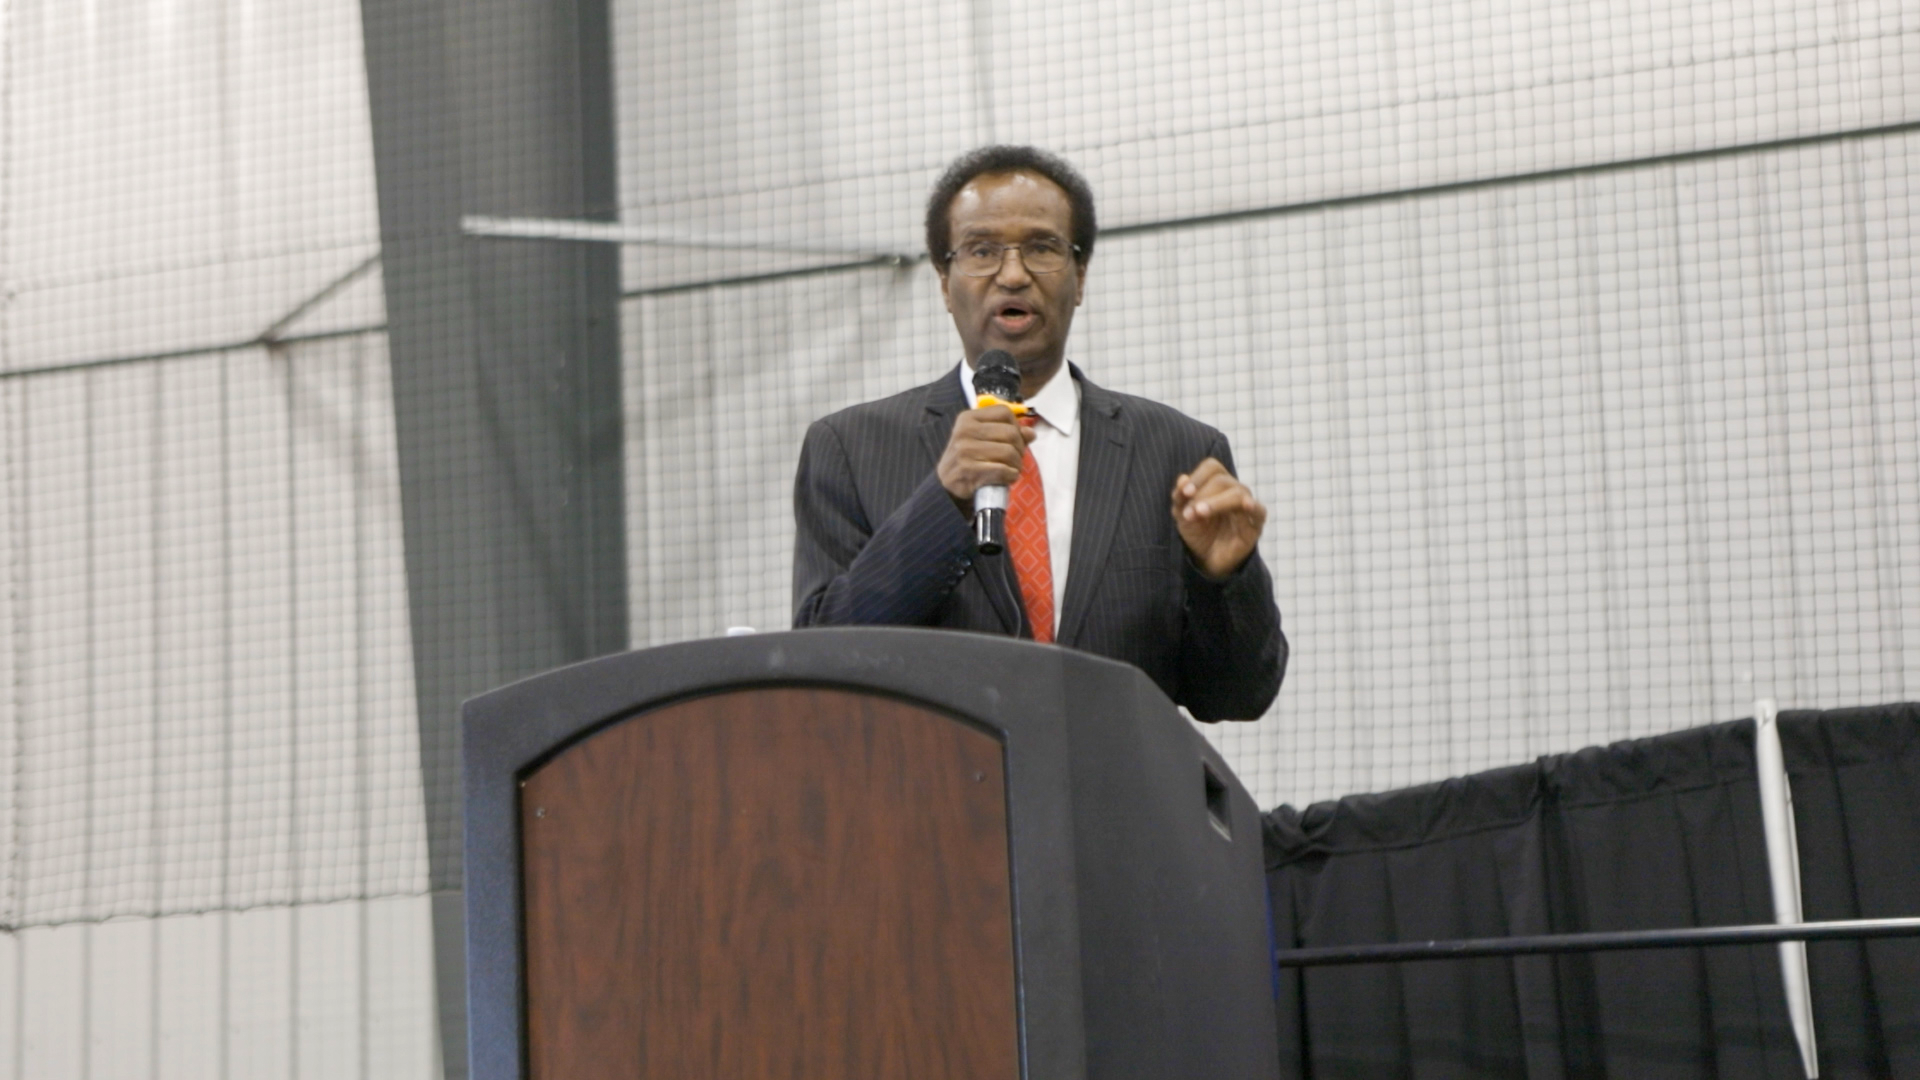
(1058, 402)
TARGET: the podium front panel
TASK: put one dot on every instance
(769, 855)
(771, 881)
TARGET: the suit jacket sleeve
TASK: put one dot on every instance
(1232, 652)
(848, 571)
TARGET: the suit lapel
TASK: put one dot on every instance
(1106, 456)
(944, 401)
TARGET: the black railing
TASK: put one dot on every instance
(1695, 937)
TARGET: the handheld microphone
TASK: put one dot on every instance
(995, 377)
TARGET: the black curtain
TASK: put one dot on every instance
(1648, 834)
(1855, 775)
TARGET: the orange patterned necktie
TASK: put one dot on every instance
(1027, 546)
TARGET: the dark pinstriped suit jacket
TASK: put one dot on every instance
(879, 542)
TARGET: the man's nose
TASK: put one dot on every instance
(1013, 269)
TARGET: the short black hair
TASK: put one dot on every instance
(994, 160)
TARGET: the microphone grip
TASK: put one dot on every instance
(990, 519)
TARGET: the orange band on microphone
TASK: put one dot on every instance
(985, 400)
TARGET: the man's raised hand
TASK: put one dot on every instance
(983, 450)
(1219, 519)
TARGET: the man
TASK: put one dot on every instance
(1128, 534)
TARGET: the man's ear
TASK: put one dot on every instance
(945, 297)
(1080, 291)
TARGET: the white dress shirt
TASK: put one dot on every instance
(1056, 449)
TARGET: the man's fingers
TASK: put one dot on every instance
(1218, 494)
(1221, 486)
(993, 423)
(1219, 518)
(1208, 472)
(1242, 503)
(1215, 502)
(991, 415)
(1190, 485)
(989, 450)
(995, 476)
(983, 449)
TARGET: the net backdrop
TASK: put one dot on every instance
(1572, 347)
(1573, 353)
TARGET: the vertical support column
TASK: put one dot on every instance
(506, 370)
(1783, 873)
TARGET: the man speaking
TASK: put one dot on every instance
(1126, 531)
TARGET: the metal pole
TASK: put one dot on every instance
(1693, 937)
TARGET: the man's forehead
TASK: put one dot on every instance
(1024, 179)
(1024, 193)
(1056, 229)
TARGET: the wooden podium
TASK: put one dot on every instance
(860, 853)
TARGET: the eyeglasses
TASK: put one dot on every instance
(983, 259)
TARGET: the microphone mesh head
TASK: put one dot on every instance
(995, 373)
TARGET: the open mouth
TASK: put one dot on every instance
(1013, 318)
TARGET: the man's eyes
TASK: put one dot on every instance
(983, 250)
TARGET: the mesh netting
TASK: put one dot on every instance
(1572, 347)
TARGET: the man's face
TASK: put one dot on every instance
(1026, 314)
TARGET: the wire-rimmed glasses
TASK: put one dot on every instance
(983, 258)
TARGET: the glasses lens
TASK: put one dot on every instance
(978, 261)
(1044, 257)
